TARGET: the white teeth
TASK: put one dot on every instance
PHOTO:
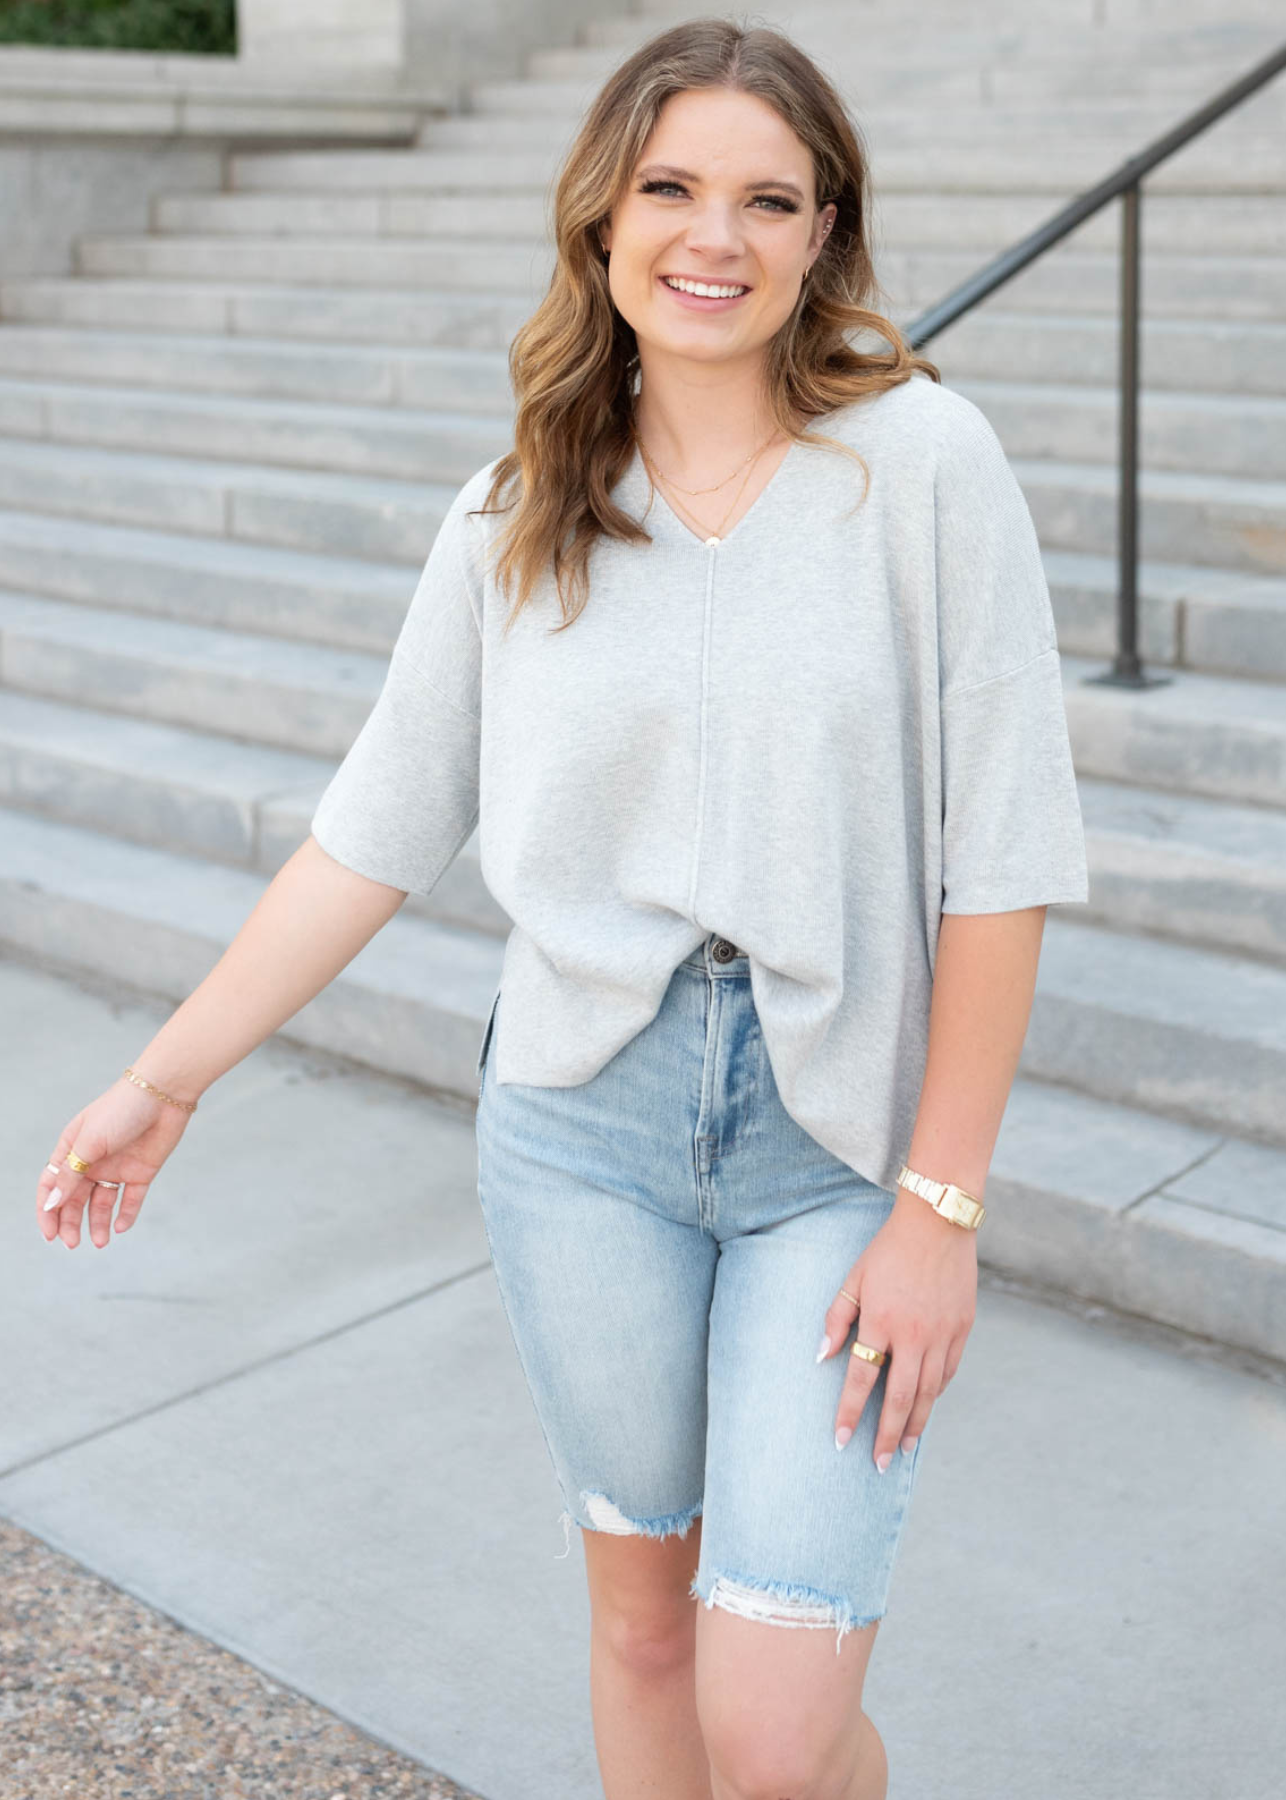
(704, 288)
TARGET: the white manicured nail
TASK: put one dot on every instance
(52, 1168)
(53, 1199)
(824, 1347)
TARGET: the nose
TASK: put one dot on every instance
(714, 231)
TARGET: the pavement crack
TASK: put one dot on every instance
(246, 1369)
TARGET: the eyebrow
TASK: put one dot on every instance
(687, 175)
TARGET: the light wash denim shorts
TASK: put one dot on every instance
(666, 1240)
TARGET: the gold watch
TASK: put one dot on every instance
(945, 1198)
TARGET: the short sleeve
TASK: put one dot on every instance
(405, 798)
(1012, 831)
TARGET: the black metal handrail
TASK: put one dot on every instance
(1127, 669)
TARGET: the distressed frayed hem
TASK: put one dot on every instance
(788, 1603)
(605, 1515)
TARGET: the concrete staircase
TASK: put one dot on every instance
(226, 446)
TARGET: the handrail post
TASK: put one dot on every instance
(1127, 670)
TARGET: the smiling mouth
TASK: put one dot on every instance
(667, 282)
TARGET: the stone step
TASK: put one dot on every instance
(1216, 434)
(1164, 1217)
(196, 792)
(1217, 736)
(343, 603)
(418, 316)
(892, 119)
(1196, 1035)
(1212, 355)
(124, 773)
(1232, 524)
(410, 444)
(1218, 621)
(449, 378)
(889, 113)
(379, 518)
(1066, 278)
(1225, 521)
(1204, 355)
(77, 109)
(1193, 433)
(412, 1002)
(246, 686)
(1053, 28)
(982, 224)
(1217, 161)
(892, 114)
(22, 64)
(998, 58)
(1200, 871)
(1091, 18)
(1207, 619)
(1170, 1221)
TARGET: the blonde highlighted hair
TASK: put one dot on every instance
(572, 364)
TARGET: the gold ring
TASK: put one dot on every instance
(848, 1296)
(867, 1354)
(74, 1162)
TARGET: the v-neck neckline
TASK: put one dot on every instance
(682, 525)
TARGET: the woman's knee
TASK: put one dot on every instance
(781, 1713)
(642, 1612)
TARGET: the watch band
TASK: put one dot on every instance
(950, 1201)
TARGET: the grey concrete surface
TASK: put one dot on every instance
(285, 1409)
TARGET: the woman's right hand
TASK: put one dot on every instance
(125, 1135)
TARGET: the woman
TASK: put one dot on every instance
(775, 788)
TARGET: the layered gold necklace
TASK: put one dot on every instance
(715, 536)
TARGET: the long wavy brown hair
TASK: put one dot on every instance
(572, 365)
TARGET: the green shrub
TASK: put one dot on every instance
(192, 25)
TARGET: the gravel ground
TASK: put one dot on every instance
(100, 1696)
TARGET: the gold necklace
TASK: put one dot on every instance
(694, 493)
(715, 537)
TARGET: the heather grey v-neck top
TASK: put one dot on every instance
(813, 738)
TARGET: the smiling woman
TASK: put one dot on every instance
(713, 269)
(741, 1053)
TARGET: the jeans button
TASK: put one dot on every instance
(723, 951)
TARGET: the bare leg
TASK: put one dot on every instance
(643, 1666)
(782, 1713)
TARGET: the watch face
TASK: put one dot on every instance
(961, 1206)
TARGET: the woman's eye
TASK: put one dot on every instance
(774, 200)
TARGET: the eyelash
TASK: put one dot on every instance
(777, 200)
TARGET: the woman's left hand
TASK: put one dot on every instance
(917, 1288)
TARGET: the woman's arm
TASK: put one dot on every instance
(310, 921)
(307, 925)
(984, 981)
(917, 1280)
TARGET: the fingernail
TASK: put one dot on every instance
(52, 1168)
(908, 1445)
(842, 1436)
(53, 1199)
(882, 1462)
(822, 1348)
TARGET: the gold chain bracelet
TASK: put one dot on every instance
(187, 1105)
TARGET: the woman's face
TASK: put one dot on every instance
(742, 214)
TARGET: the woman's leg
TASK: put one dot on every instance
(799, 1538)
(782, 1714)
(606, 1271)
(642, 1666)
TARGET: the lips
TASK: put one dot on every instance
(705, 280)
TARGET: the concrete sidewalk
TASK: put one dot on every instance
(285, 1410)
